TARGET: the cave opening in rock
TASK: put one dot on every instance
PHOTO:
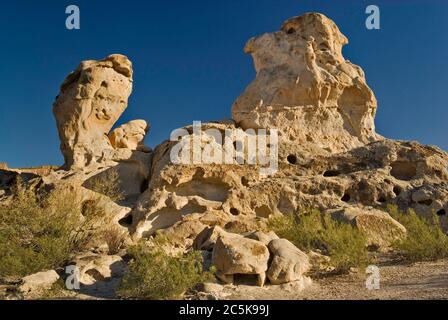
(441, 212)
(234, 211)
(403, 170)
(397, 190)
(244, 181)
(331, 173)
(346, 197)
(126, 221)
(292, 159)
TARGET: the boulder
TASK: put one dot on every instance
(94, 267)
(130, 136)
(235, 254)
(288, 262)
(35, 284)
(263, 237)
(380, 229)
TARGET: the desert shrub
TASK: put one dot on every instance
(425, 239)
(37, 232)
(108, 184)
(154, 274)
(114, 238)
(345, 244)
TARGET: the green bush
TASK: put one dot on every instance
(108, 184)
(37, 232)
(345, 244)
(154, 274)
(425, 239)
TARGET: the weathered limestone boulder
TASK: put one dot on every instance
(35, 284)
(130, 136)
(91, 100)
(266, 238)
(306, 89)
(234, 254)
(288, 262)
(380, 229)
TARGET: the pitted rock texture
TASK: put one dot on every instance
(306, 89)
(91, 100)
(329, 155)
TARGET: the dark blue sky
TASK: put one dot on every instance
(189, 62)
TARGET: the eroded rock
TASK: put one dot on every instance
(288, 262)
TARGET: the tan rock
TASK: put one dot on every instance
(380, 228)
(36, 283)
(91, 100)
(306, 89)
(234, 254)
(94, 268)
(130, 136)
(288, 262)
(263, 237)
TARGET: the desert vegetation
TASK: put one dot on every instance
(155, 274)
(38, 231)
(311, 230)
(425, 240)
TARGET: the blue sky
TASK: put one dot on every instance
(189, 62)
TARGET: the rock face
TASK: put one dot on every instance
(306, 89)
(234, 254)
(91, 100)
(288, 263)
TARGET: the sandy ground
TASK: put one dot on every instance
(427, 280)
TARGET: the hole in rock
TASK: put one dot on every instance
(292, 159)
(382, 199)
(427, 202)
(290, 31)
(397, 190)
(403, 170)
(234, 211)
(346, 197)
(144, 185)
(245, 279)
(441, 212)
(126, 221)
(244, 181)
(331, 173)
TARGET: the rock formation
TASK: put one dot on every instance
(329, 157)
(91, 100)
(130, 136)
(306, 89)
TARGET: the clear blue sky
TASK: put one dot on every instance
(189, 62)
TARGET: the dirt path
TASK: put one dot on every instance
(428, 280)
